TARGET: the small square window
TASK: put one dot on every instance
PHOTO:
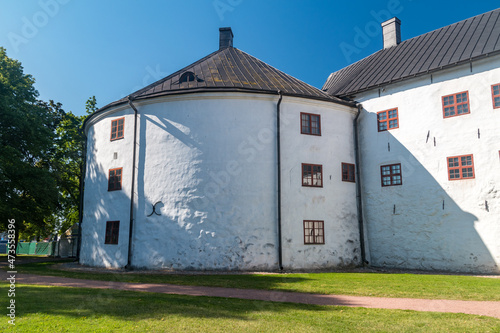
(310, 124)
(312, 175)
(391, 174)
(495, 95)
(456, 104)
(387, 120)
(460, 167)
(112, 231)
(348, 172)
(117, 127)
(314, 232)
(115, 179)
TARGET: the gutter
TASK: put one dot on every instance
(359, 199)
(131, 224)
(83, 170)
(278, 135)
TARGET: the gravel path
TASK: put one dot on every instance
(486, 308)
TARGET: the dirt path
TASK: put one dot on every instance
(486, 308)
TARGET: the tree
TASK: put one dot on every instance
(28, 188)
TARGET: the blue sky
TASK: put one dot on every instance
(76, 49)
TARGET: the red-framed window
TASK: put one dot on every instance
(112, 231)
(391, 174)
(115, 179)
(460, 167)
(117, 127)
(310, 123)
(348, 172)
(388, 119)
(314, 232)
(495, 95)
(456, 104)
(312, 175)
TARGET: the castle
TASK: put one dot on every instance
(231, 164)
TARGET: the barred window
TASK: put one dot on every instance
(117, 129)
(387, 120)
(310, 124)
(391, 174)
(115, 179)
(314, 232)
(312, 175)
(456, 104)
(460, 167)
(112, 231)
(495, 94)
(348, 172)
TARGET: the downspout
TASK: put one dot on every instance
(131, 224)
(359, 201)
(83, 170)
(278, 135)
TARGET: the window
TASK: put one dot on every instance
(310, 124)
(387, 119)
(115, 179)
(312, 175)
(348, 172)
(495, 94)
(112, 231)
(314, 232)
(187, 77)
(456, 104)
(460, 167)
(117, 129)
(391, 174)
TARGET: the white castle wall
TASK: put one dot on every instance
(430, 222)
(334, 203)
(209, 162)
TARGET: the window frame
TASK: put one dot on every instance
(455, 104)
(387, 120)
(321, 228)
(110, 177)
(351, 167)
(112, 229)
(460, 167)
(312, 172)
(310, 123)
(493, 95)
(391, 175)
(116, 131)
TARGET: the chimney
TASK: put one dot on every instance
(225, 38)
(392, 32)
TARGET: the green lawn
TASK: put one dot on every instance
(57, 309)
(361, 284)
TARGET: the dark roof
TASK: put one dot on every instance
(452, 45)
(229, 69)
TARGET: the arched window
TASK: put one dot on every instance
(187, 77)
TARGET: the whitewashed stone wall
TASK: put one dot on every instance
(430, 222)
(209, 163)
(335, 202)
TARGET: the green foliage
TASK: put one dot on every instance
(41, 156)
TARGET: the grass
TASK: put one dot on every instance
(58, 309)
(360, 284)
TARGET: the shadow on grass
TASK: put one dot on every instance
(267, 282)
(132, 306)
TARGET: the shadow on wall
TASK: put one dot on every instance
(101, 206)
(416, 225)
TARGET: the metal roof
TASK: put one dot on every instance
(449, 46)
(229, 69)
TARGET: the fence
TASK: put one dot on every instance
(46, 248)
